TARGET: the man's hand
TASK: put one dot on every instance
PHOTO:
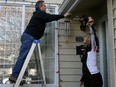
(66, 15)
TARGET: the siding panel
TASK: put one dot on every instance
(69, 63)
(70, 84)
(69, 58)
(71, 71)
(71, 78)
(72, 33)
(69, 45)
(67, 51)
(64, 39)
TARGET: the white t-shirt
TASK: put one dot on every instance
(92, 55)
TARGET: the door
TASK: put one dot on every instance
(13, 21)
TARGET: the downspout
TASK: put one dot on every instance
(111, 64)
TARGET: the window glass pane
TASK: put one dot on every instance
(10, 33)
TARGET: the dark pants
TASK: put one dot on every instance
(26, 41)
(94, 80)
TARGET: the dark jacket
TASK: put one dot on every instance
(37, 23)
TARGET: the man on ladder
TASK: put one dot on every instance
(34, 31)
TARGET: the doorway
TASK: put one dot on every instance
(103, 50)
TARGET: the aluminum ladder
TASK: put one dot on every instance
(29, 55)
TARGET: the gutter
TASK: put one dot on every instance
(68, 6)
(74, 5)
(63, 6)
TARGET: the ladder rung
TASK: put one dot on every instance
(29, 55)
(32, 80)
(36, 80)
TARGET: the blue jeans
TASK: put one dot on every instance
(26, 41)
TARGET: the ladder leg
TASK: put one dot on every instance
(42, 67)
(25, 65)
(37, 62)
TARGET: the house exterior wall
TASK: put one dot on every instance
(69, 63)
(111, 43)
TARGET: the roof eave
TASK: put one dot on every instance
(68, 6)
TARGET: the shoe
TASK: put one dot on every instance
(22, 82)
(12, 79)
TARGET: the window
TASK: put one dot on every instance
(10, 33)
